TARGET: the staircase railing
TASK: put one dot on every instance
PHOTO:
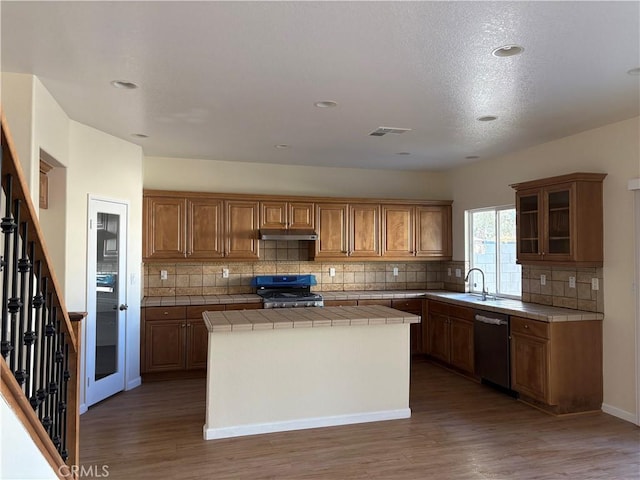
(39, 344)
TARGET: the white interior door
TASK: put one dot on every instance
(106, 299)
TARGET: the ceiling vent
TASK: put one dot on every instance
(381, 131)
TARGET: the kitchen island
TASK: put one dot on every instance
(287, 369)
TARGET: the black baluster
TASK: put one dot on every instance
(15, 304)
(24, 266)
(66, 376)
(8, 228)
(30, 335)
(49, 332)
(57, 394)
(39, 305)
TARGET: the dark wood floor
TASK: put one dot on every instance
(458, 430)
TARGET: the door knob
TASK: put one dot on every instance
(124, 306)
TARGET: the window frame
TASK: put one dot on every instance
(469, 246)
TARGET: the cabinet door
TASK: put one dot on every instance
(242, 229)
(398, 238)
(205, 232)
(301, 216)
(331, 224)
(529, 366)
(461, 352)
(165, 226)
(439, 336)
(529, 225)
(433, 231)
(197, 344)
(364, 230)
(165, 345)
(273, 215)
(558, 232)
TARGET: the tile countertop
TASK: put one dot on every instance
(534, 311)
(275, 318)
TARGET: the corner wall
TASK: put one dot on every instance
(613, 149)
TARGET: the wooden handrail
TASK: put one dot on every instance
(40, 363)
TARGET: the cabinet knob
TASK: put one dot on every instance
(183, 325)
(165, 313)
(526, 326)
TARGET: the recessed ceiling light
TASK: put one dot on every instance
(326, 104)
(471, 157)
(403, 153)
(507, 51)
(124, 84)
(139, 135)
(282, 145)
(634, 71)
(487, 118)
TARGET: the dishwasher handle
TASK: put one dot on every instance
(489, 320)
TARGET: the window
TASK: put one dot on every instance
(492, 248)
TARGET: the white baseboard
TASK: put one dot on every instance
(83, 408)
(136, 382)
(331, 421)
(617, 412)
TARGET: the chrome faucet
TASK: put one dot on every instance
(484, 291)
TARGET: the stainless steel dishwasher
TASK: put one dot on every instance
(491, 348)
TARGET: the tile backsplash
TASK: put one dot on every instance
(558, 290)
(207, 279)
(289, 258)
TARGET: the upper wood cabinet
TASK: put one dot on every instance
(165, 227)
(347, 230)
(364, 230)
(287, 215)
(559, 220)
(398, 231)
(433, 231)
(416, 231)
(332, 226)
(241, 221)
(203, 226)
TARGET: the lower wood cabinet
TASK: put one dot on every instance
(449, 335)
(175, 340)
(558, 365)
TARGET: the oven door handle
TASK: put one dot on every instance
(490, 321)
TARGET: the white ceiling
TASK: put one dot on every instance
(230, 80)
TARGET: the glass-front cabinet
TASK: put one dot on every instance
(559, 220)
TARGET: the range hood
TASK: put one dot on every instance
(275, 234)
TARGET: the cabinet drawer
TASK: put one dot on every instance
(412, 305)
(527, 326)
(438, 307)
(464, 313)
(243, 306)
(340, 303)
(195, 311)
(164, 313)
(378, 301)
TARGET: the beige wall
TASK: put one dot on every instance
(88, 162)
(613, 149)
(109, 168)
(257, 178)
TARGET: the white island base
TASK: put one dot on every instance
(297, 376)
